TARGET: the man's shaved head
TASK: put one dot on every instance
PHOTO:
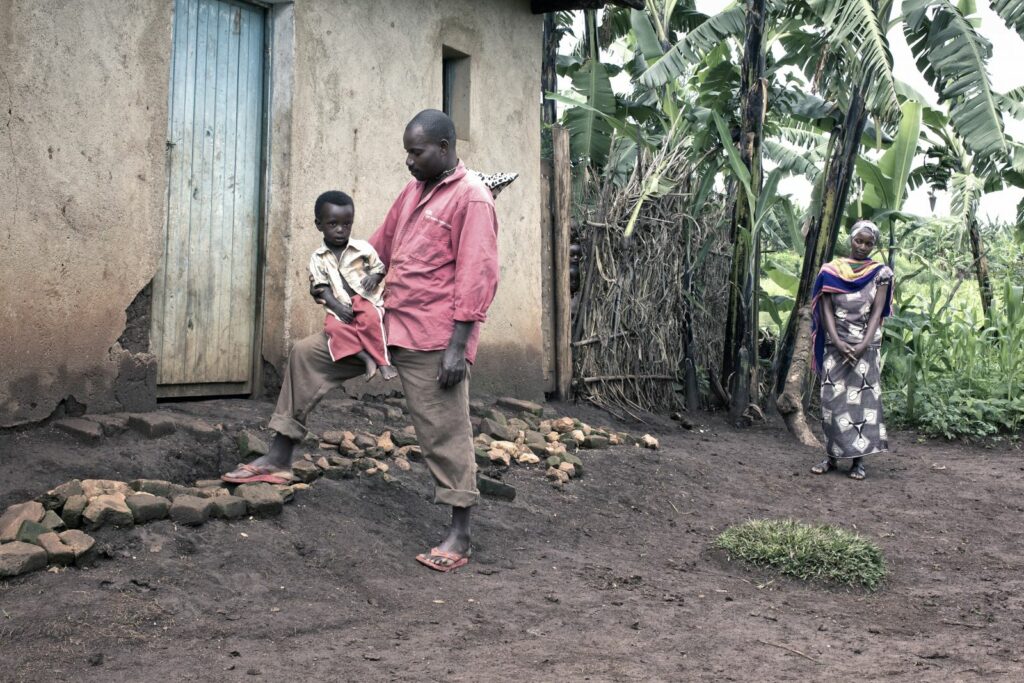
(436, 124)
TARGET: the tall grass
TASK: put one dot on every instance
(950, 372)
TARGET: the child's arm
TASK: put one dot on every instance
(375, 271)
(320, 288)
(342, 310)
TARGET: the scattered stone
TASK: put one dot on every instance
(72, 511)
(112, 425)
(333, 436)
(520, 405)
(495, 415)
(10, 521)
(531, 420)
(209, 483)
(55, 498)
(483, 440)
(563, 425)
(482, 458)
(85, 431)
(596, 441)
(577, 435)
(260, 499)
(556, 448)
(146, 507)
(250, 444)
(208, 492)
(575, 461)
(404, 437)
(493, 488)
(336, 472)
(18, 558)
(286, 492)
(56, 552)
(385, 443)
(614, 440)
(152, 425)
(363, 464)
(82, 544)
(108, 509)
(305, 471)
(99, 487)
(528, 458)
(396, 402)
(497, 430)
(413, 453)
(568, 468)
(30, 531)
(157, 487)
(393, 412)
(518, 425)
(477, 408)
(52, 521)
(371, 413)
(557, 475)
(190, 510)
(402, 464)
(228, 507)
(544, 427)
(535, 439)
(586, 429)
(322, 463)
(552, 437)
(339, 461)
(569, 442)
(364, 440)
(553, 461)
(348, 447)
(648, 441)
(499, 455)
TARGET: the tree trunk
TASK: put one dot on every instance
(739, 362)
(981, 268)
(795, 347)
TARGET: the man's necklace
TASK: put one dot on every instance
(442, 175)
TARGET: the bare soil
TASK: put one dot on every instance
(612, 579)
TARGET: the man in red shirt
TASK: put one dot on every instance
(439, 243)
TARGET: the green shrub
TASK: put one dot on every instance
(807, 552)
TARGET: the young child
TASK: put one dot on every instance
(346, 276)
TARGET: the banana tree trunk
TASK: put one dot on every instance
(795, 347)
(981, 267)
(548, 75)
(739, 362)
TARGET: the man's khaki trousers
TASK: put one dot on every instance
(440, 416)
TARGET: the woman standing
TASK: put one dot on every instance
(851, 296)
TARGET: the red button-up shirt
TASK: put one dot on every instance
(441, 251)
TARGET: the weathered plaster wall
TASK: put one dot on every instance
(360, 73)
(83, 120)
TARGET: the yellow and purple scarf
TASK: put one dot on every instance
(840, 276)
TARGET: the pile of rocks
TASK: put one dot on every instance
(50, 530)
(530, 438)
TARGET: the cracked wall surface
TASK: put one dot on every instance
(83, 120)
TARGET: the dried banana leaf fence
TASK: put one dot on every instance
(648, 303)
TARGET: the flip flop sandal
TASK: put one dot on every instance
(250, 474)
(455, 560)
(826, 465)
(858, 473)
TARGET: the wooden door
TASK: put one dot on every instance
(204, 296)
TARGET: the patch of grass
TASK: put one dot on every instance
(805, 551)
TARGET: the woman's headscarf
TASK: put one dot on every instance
(864, 225)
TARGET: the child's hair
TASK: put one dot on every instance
(336, 197)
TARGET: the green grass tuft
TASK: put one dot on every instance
(805, 551)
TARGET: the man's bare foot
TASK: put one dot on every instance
(388, 372)
(371, 365)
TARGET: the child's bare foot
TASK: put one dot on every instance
(371, 365)
(388, 372)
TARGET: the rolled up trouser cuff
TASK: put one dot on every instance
(457, 499)
(288, 426)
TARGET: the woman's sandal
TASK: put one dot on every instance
(826, 465)
(857, 472)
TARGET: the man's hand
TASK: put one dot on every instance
(317, 292)
(453, 367)
(453, 361)
(370, 282)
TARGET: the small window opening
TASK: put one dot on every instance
(455, 89)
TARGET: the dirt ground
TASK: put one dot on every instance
(612, 579)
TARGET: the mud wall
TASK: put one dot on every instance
(360, 74)
(83, 119)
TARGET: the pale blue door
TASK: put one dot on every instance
(204, 296)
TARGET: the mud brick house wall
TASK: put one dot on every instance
(159, 162)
